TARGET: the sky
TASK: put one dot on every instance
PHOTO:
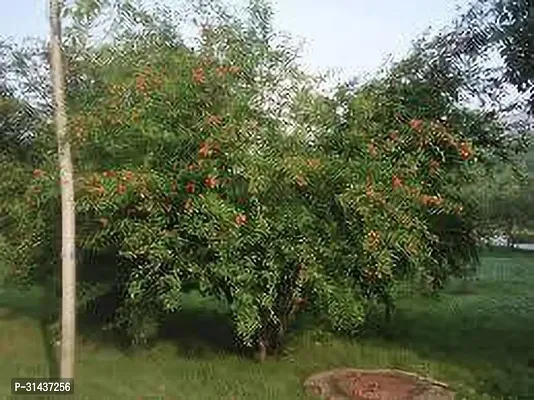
(351, 37)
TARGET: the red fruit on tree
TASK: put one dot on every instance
(416, 125)
(198, 75)
(190, 187)
(205, 150)
(121, 188)
(234, 69)
(210, 182)
(240, 219)
(301, 181)
(109, 174)
(465, 151)
(140, 83)
(396, 182)
(313, 163)
(431, 200)
(38, 173)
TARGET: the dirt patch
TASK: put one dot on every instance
(356, 384)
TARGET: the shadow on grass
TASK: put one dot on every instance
(200, 328)
(488, 329)
(199, 333)
(32, 304)
(499, 354)
(28, 303)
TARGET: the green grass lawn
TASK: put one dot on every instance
(479, 339)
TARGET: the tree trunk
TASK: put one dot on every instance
(68, 265)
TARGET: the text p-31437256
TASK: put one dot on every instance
(43, 386)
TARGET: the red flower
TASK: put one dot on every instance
(465, 151)
(234, 69)
(128, 175)
(100, 189)
(109, 174)
(434, 166)
(431, 200)
(301, 181)
(198, 75)
(425, 199)
(121, 188)
(38, 173)
(240, 219)
(190, 187)
(221, 70)
(191, 167)
(396, 182)
(394, 135)
(313, 163)
(140, 83)
(416, 125)
(211, 182)
(205, 150)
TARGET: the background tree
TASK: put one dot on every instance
(463, 57)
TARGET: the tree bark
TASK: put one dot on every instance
(68, 265)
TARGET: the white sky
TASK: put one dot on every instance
(351, 36)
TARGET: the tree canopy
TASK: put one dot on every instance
(221, 168)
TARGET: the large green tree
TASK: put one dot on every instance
(220, 168)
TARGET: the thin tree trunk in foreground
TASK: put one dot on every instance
(68, 265)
